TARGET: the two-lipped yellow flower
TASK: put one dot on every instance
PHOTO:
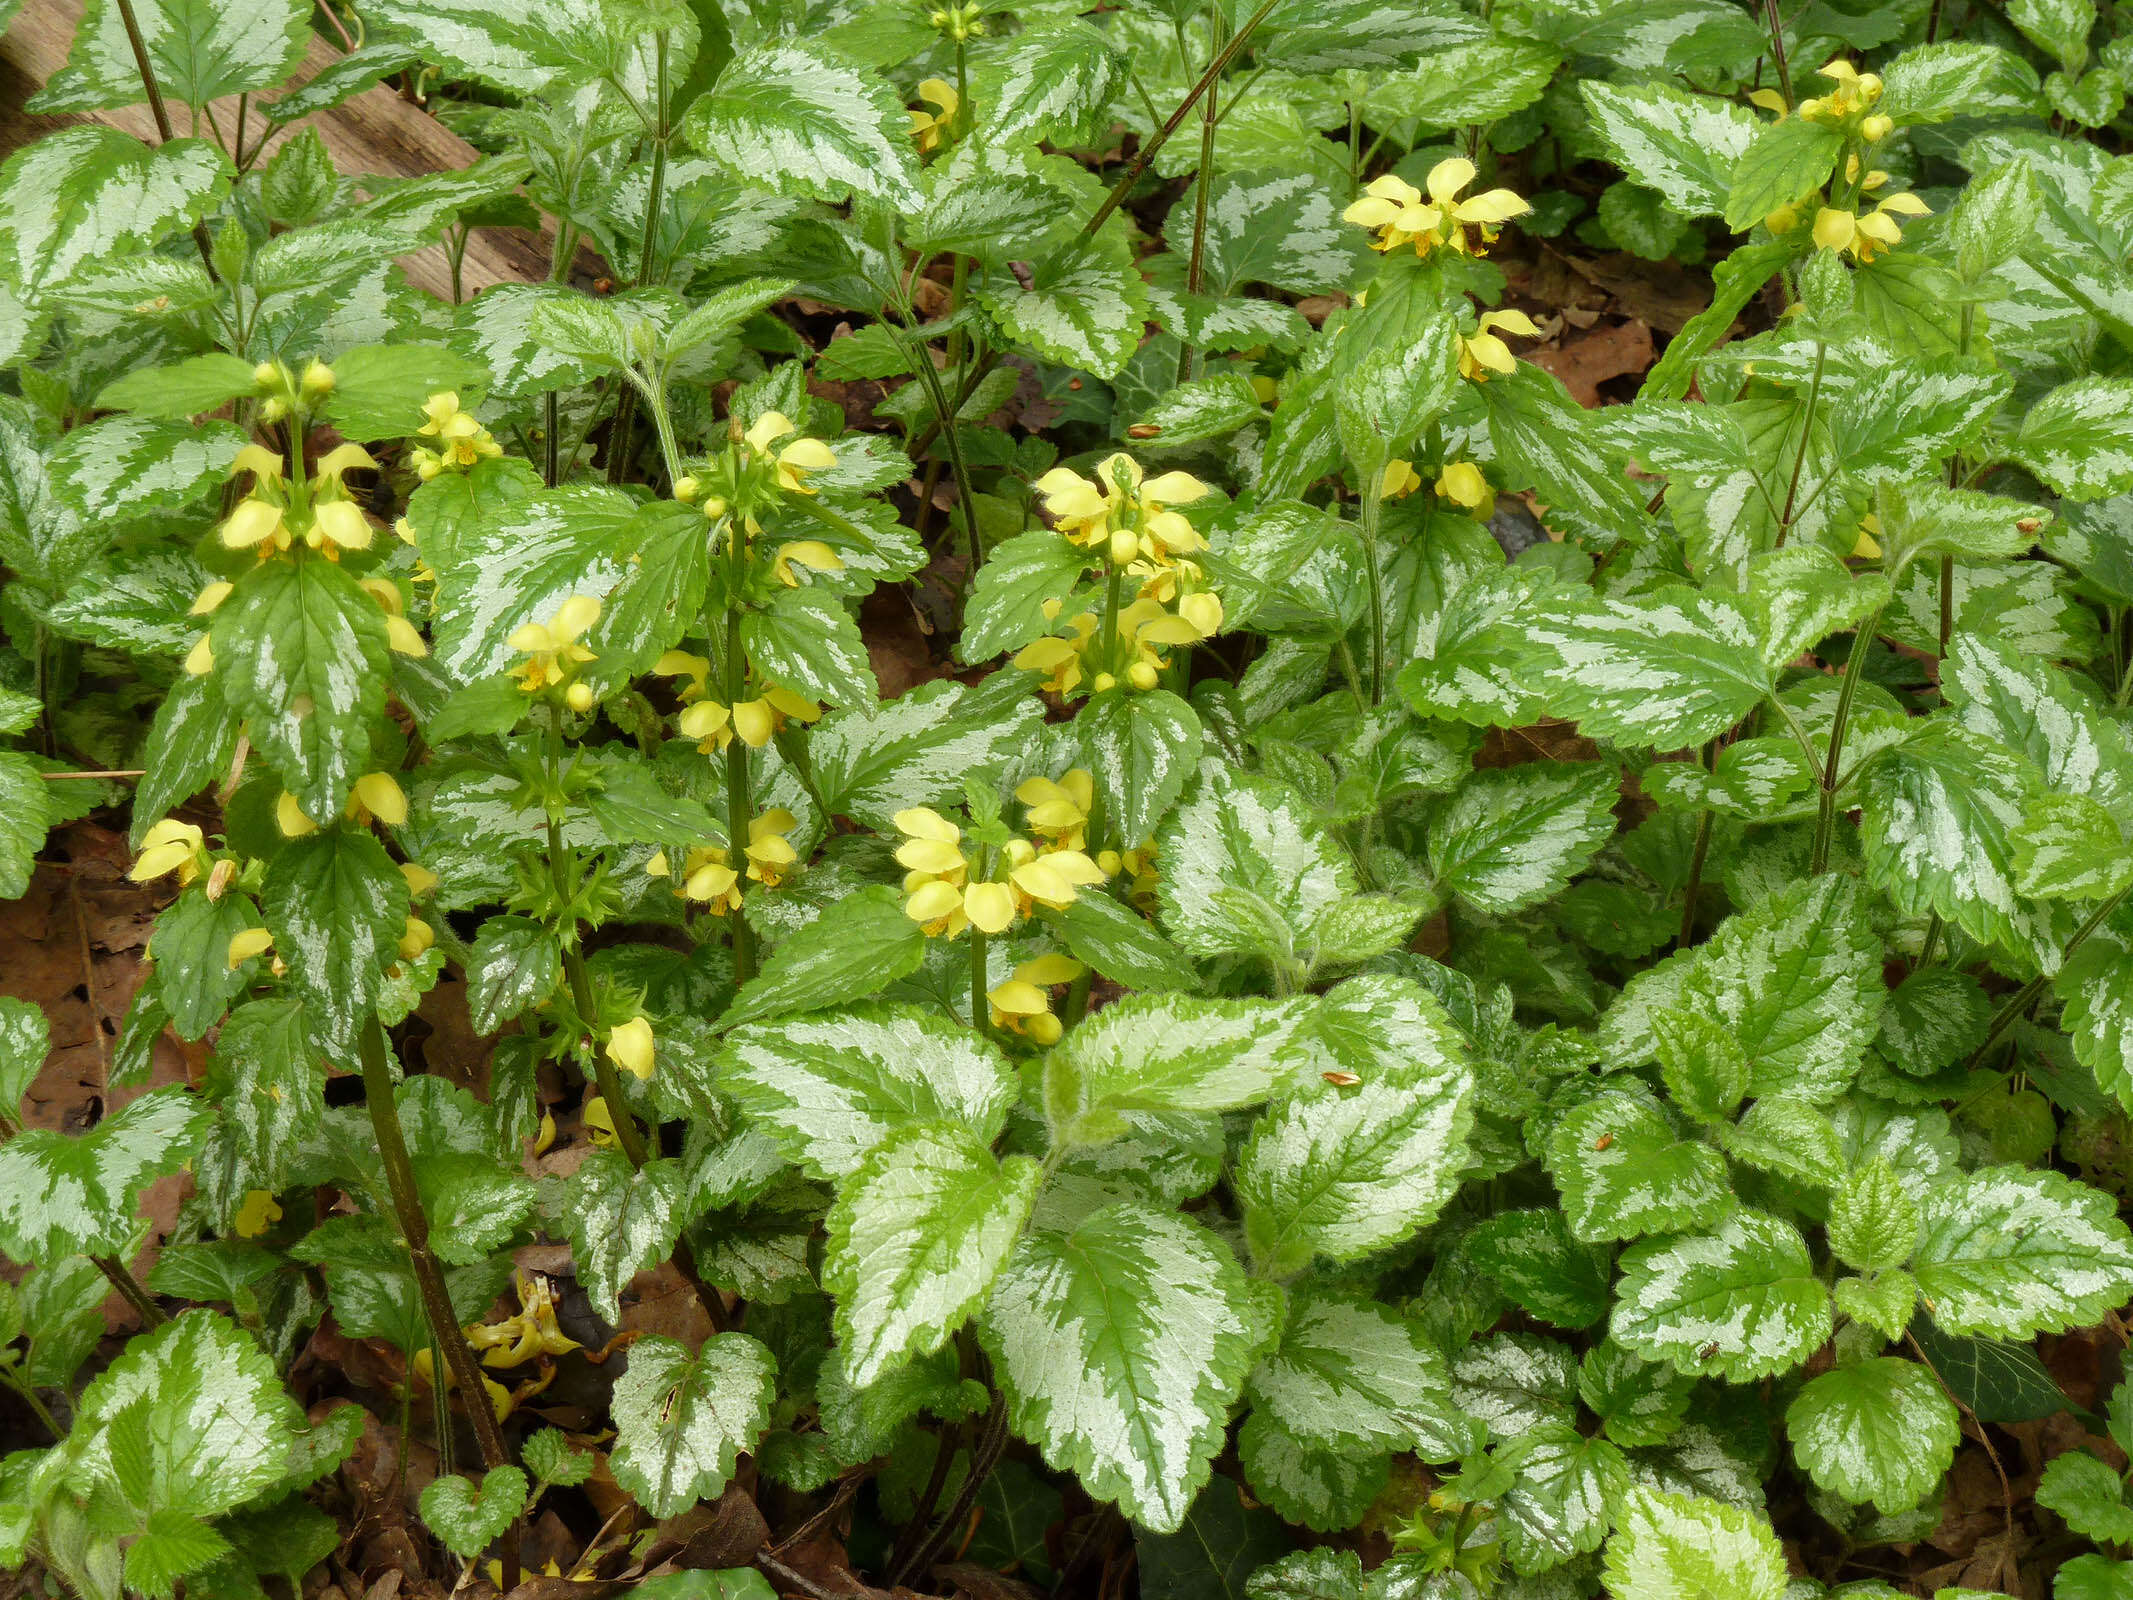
(630, 1046)
(461, 440)
(1399, 215)
(1123, 513)
(930, 127)
(171, 846)
(793, 461)
(942, 896)
(1023, 1004)
(1867, 234)
(553, 654)
(709, 877)
(1483, 351)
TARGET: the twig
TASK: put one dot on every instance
(778, 1572)
(67, 777)
(983, 1458)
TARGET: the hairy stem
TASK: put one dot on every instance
(2021, 1000)
(984, 1456)
(1777, 50)
(1832, 765)
(737, 788)
(429, 1276)
(944, 414)
(1203, 180)
(1373, 505)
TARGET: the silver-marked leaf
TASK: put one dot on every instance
(1936, 82)
(500, 327)
(1671, 1547)
(1622, 1171)
(1670, 667)
(873, 761)
(1275, 228)
(521, 561)
(525, 49)
(1561, 1503)
(2097, 986)
(806, 641)
(1238, 846)
(2079, 438)
(1684, 146)
(915, 1239)
(2033, 709)
(337, 905)
(1086, 306)
(1119, 1348)
(682, 1420)
(1512, 837)
(1881, 1430)
(2008, 1253)
(72, 201)
(1165, 1052)
(1477, 664)
(1320, 1486)
(1356, 1375)
(200, 51)
(858, 945)
(129, 466)
(1512, 1383)
(833, 1086)
(619, 1219)
(1740, 1302)
(62, 1196)
(804, 120)
(1139, 749)
(1053, 82)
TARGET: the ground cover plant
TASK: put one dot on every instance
(1424, 985)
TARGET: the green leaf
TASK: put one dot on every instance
(271, 1088)
(1341, 1169)
(620, 1220)
(1538, 1265)
(379, 390)
(468, 1518)
(1164, 1052)
(1320, 1486)
(2059, 27)
(682, 1420)
(1880, 1431)
(1053, 82)
(1280, 229)
(301, 654)
(1139, 749)
(2089, 1496)
(1740, 1302)
(2035, 710)
(1512, 837)
(1931, 519)
(198, 50)
(1548, 443)
(915, 1239)
(523, 49)
(500, 328)
(2079, 438)
(2000, 1382)
(1246, 870)
(73, 201)
(171, 1546)
(807, 642)
(1670, 1547)
(916, 750)
(832, 1087)
(25, 816)
(1559, 1506)
(859, 945)
(1939, 82)
(198, 384)
(62, 1196)
(1622, 1171)
(1120, 944)
(1120, 1347)
(1671, 667)
(1480, 667)
(1352, 1374)
(1873, 1219)
(1086, 305)
(191, 1418)
(1638, 1402)
(1006, 608)
(130, 466)
(805, 121)
(1701, 1063)
(1214, 1551)
(1781, 164)
(1683, 145)
(2071, 850)
(336, 905)
(1206, 408)
(1382, 403)
(1487, 77)
(514, 963)
(2009, 1253)
(25, 1040)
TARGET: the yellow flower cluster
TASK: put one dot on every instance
(461, 441)
(171, 846)
(1867, 234)
(714, 724)
(1846, 228)
(1123, 514)
(553, 654)
(710, 877)
(1144, 630)
(948, 891)
(772, 457)
(1399, 215)
(276, 512)
(1023, 1004)
(376, 797)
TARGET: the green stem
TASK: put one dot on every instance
(1807, 422)
(121, 1278)
(429, 1276)
(2023, 997)
(1832, 765)
(1203, 180)
(980, 1009)
(1373, 503)
(1697, 857)
(1777, 50)
(1931, 943)
(944, 414)
(28, 1396)
(738, 806)
(156, 109)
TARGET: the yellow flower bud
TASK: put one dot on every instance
(266, 373)
(1104, 681)
(1141, 675)
(1876, 128)
(579, 697)
(380, 794)
(318, 381)
(630, 1047)
(685, 488)
(250, 943)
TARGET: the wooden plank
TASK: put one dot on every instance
(374, 134)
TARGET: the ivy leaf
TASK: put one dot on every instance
(336, 905)
(1668, 1546)
(619, 1219)
(1164, 1052)
(1797, 979)
(470, 1519)
(1685, 146)
(1120, 1347)
(62, 1196)
(301, 655)
(1339, 1169)
(2009, 1253)
(1880, 1431)
(1740, 1302)
(682, 1420)
(859, 945)
(915, 1239)
(1512, 837)
(1052, 82)
(1246, 870)
(832, 1087)
(1139, 749)
(1356, 1376)
(806, 121)
(1622, 1171)
(83, 196)
(2079, 438)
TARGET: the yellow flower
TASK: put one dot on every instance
(1870, 234)
(255, 521)
(461, 440)
(1399, 215)
(421, 882)
(810, 553)
(338, 523)
(259, 1212)
(709, 723)
(1461, 483)
(599, 1124)
(1059, 658)
(705, 878)
(400, 634)
(252, 942)
(1399, 479)
(629, 1046)
(378, 795)
(290, 817)
(928, 127)
(932, 847)
(528, 1334)
(1867, 547)
(1022, 1005)
(802, 456)
(770, 854)
(1052, 879)
(1770, 100)
(1123, 513)
(1855, 91)
(1059, 812)
(1482, 352)
(415, 937)
(170, 846)
(552, 649)
(681, 664)
(758, 721)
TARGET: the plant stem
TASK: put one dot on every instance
(984, 1456)
(1807, 422)
(28, 1396)
(1373, 503)
(1777, 50)
(738, 805)
(161, 113)
(944, 414)
(1933, 23)
(429, 1276)
(1931, 942)
(980, 1010)
(1694, 887)
(2006, 1016)
(121, 1278)
(1203, 180)
(618, 450)
(1826, 813)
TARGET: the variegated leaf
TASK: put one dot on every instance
(1685, 146)
(1671, 667)
(1164, 1052)
(1139, 749)
(1881, 1430)
(1512, 837)
(1245, 869)
(130, 466)
(2008, 1253)
(62, 1196)
(200, 51)
(682, 1420)
(1052, 82)
(1669, 1545)
(1086, 306)
(500, 328)
(1563, 1498)
(915, 1239)
(1320, 1486)
(1354, 1375)
(2033, 709)
(619, 1220)
(806, 121)
(1275, 228)
(519, 563)
(1119, 1348)
(2079, 438)
(1740, 1302)
(872, 762)
(1623, 1171)
(76, 199)
(337, 905)
(833, 1086)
